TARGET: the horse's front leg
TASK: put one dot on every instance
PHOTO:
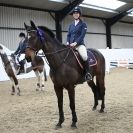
(38, 80)
(59, 94)
(71, 93)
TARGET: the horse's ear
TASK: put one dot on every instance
(1, 47)
(33, 25)
(26, 26)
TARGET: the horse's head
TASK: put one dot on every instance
(34, 40)
(39, 38)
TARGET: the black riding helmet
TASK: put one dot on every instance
(76, 9)
(21, 34)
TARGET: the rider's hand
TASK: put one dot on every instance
(73, 44)
(67, 43)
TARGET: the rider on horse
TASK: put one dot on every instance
(75, 38)
(21, 50)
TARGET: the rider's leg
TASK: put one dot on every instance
(21, 63)
(83, 53)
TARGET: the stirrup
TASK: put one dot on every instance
(21, 71)
(88, 77)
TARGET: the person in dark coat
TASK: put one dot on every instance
(75, 38)
(21, 50)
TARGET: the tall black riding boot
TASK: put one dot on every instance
(88, 76)
(21, 67)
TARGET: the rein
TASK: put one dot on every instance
(50, 53)
(40, 34)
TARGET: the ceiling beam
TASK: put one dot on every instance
(119, 16)
(66, 10)
(127, 1)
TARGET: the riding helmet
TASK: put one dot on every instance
(21, 34)
(76, 9)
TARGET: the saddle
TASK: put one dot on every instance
(91, 58)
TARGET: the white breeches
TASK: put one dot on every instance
(83, 52)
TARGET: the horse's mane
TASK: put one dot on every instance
(45, 29)
(51, 34)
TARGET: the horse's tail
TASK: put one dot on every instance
(100, 79)
(100, 73)
(3, 55)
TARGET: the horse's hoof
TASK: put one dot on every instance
(73, 126)
(101, 111)
(58, 126)
(12, 93)
(18, 94)
(42, 89)
(94, 108)
(37, 89)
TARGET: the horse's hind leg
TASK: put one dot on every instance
(94, 90)
(101, 91)
(15, 85)
(13, 90)
(45, 75)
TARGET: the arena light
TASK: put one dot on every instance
(57, 0)
(106, 5)
(97, 8)
(130, 12)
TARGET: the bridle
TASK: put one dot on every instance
(40, 34)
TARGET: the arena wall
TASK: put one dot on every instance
(12, 23)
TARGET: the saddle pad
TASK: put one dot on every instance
(91, 58)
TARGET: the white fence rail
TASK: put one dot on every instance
(113, 58)
(117, 57)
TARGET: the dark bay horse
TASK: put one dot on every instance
(10, 71)
(65, 71)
